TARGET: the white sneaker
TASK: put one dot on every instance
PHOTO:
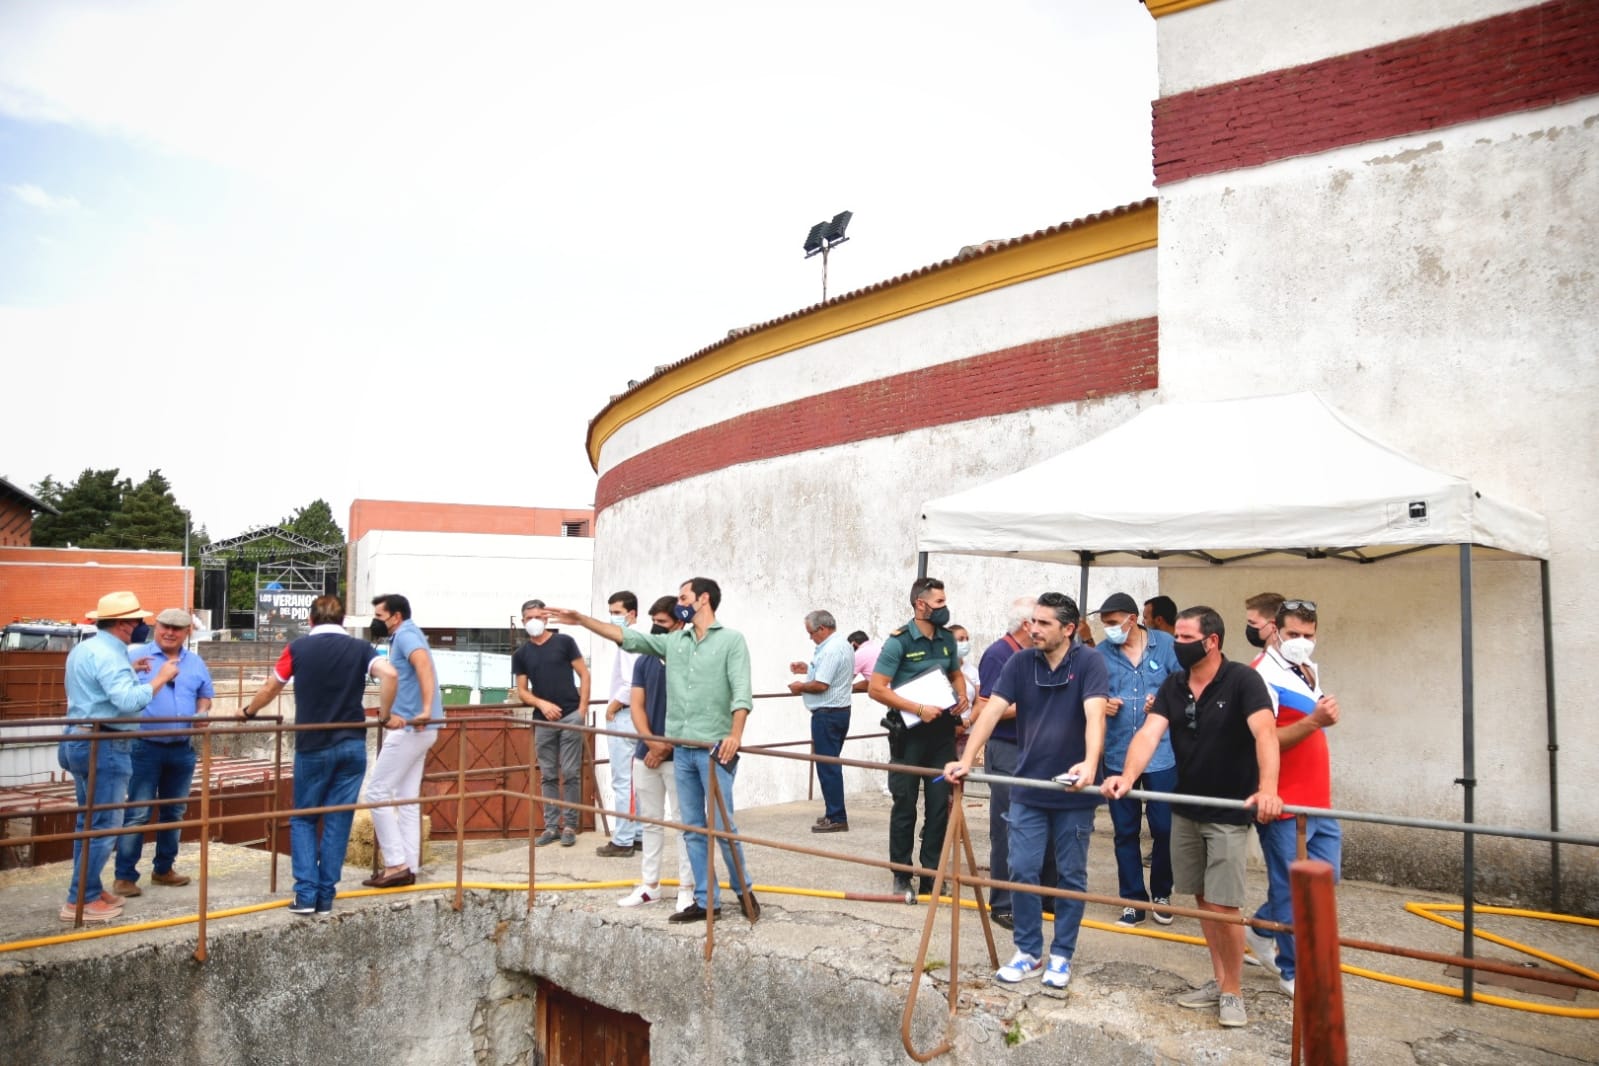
(1263, 949)
(1285, 985)
(1059, 973)
(1018, 969)
(641, 895)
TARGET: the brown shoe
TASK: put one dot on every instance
(126, 889)
(94, 911)
(171, 878)
(399, 880)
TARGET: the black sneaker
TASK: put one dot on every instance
(1131, 916)
(638, 843)
(297, 907)
(692, 913)
(568, 838)
(1003, 919)
(902, 887)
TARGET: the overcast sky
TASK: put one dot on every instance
(403, 250)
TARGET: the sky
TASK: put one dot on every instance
(296, 250)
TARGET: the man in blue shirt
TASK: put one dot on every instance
(1138, 660)
(999, 757)
(1058, 689)
(163, 767)
(413, 729)
(827, 693)
(101, 688)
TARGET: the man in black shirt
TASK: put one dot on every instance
(544, 668)
(1224, 736)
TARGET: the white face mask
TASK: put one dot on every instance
(619, 620)
(963, 648)
(1298, 650)
(534, 627)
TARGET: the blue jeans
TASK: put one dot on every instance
(1069, 830)
(1278, 841)
(692, 766)
(328, 777)
(1125, 816)
(620, 752)
(113, 766)
(829, 727)
(160, 771)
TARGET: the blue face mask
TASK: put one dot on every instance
(141, 633)
(683, 612)
(1116, 634)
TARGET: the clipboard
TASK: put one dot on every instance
(931, 688)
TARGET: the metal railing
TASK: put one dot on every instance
(1319, 1032)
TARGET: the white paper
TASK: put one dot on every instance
(931, 689)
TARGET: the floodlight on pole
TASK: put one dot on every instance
(824, 237)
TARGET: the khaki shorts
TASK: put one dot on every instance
(1207, 859)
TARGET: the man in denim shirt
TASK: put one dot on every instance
(101, 685)
(1138, 660)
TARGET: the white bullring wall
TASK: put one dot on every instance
(836, 528)
(1440, 289)
(1231, 39)
(1099, 294)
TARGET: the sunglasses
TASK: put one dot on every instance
(1300, 605)
(1192, 713)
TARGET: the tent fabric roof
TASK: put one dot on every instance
(1353, 498)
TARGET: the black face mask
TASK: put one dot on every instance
(1189, 654)
(1252, 634)
(379, 629)
(141, 633)
(657, 629)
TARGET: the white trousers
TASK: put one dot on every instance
(396, 775)
(652, 788)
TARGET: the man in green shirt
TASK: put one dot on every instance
(708, 699)
(921, 646)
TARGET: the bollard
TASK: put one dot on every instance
(1318, 982)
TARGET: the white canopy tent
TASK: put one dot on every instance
(1361, 502)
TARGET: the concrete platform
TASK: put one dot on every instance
(1119, 1007)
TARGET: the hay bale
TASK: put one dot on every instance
(363, 848)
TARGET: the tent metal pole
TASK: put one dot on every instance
(921, 564)
(1552, 719)
(1084, 561)
(1468, 778)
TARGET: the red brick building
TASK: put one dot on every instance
(17, 509)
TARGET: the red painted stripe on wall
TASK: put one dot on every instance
(1100, 362)
(1528, 59)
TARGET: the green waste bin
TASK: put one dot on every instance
(457, 695)
(495, 695)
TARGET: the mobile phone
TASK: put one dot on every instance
(1067, 779)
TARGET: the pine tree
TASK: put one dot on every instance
(150, 519)
(87, 508)
(315, 522)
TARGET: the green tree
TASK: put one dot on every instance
(315, 522)
(87, 508)
(149, 519)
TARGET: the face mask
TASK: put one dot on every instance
(683, 612)
(1188, 655)
(963, 648)
(657, 629)
(379, 629)
(1252, 634)
(534, 627)
(1298, 650)
(141, 633)
(619, 620)
(1116, 634)
(939, 617)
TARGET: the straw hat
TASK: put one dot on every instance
(118, 605)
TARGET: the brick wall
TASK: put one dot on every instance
(16, 523)
(1100, 362)
(65, 583)
(367, 515)
(1533, 58)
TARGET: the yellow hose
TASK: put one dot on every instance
(1424, 910)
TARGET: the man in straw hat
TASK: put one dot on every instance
(102, 687)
